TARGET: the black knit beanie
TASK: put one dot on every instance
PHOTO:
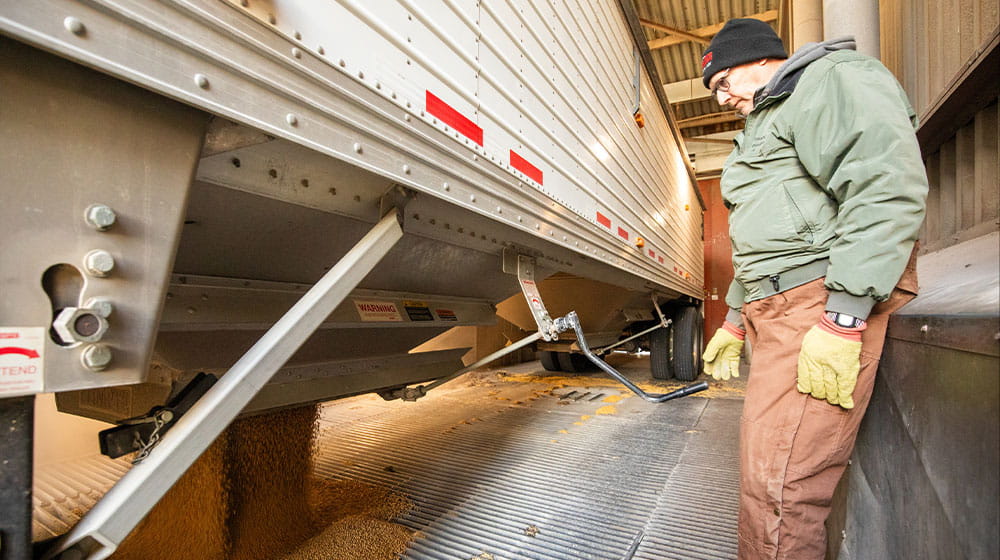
(738, 42)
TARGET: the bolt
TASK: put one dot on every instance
(75, 26)
(96, 357)
(201, 81)
(292, 119)
(99, 306)
(100, 216)
(296, 52)
(98, 263)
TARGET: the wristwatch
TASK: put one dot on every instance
(845, 320)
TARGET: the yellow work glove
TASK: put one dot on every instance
(829, 362)
(722, 355)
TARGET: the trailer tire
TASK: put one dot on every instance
(550, 360)
(659, 353)
(685, 343)
(574, 363)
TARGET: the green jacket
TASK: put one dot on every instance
(827, 167)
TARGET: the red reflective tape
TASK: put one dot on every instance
(523, 166)
(453, 118)
(623, 233)
(661, 259)
(652, 254)
(604, 220)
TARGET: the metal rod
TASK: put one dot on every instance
(574, 322)
(103, 528)
(498, 354)
(623, 341)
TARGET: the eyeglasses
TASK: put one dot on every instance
(722, 84)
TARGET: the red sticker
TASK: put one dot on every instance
(453, 118)
(623, 233)
(523, 166)
(604, 220)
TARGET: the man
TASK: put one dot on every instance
(825, 190)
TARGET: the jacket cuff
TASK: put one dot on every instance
(735, 317)
(855, 306)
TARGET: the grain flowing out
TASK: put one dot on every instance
(252, 495)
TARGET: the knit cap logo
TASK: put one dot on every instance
(706, 60)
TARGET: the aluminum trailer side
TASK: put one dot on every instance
(178, 174)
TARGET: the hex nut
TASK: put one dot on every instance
(96, 357)
(98, 263)
(71, 319)
(100, 216)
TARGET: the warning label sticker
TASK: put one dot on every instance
(418, 311)
(446, 314)
(378, 311)
(21, 357)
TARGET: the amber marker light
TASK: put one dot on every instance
(640, 242)
(640, 121)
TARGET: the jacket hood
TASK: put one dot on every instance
(788, 73)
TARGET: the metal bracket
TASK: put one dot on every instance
(574, 322)
(396, 198)
(142, 433)
(525, 270)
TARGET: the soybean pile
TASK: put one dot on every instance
(252, 495)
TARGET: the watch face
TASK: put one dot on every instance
(845, 320)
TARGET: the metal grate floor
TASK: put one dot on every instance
(507, 471)
(516, 467)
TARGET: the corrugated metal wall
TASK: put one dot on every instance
(964, 198)
(927, 43)
(932, 46)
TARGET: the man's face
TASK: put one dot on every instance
(736, 86)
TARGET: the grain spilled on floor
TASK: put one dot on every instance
(253, 495)
(357, 537)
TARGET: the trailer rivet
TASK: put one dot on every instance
(320, 49)
(98, 263)
(499, 210)
(296, 52)
(96, 357)
(201, 81)
(297, 35)
(924, 329)
(406, 169)
(361, 74)
(342, 63)
(292, 119)
(100, 216)
(271, 19)
(75, 26)
(472, 198)
(447, 187)
(244, 3)
(357, 148)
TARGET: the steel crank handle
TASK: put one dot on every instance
(685, 391)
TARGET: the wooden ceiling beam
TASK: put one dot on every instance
(711, 118)
(703, 34)
(679, 34)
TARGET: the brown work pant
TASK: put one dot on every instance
(793, 447)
